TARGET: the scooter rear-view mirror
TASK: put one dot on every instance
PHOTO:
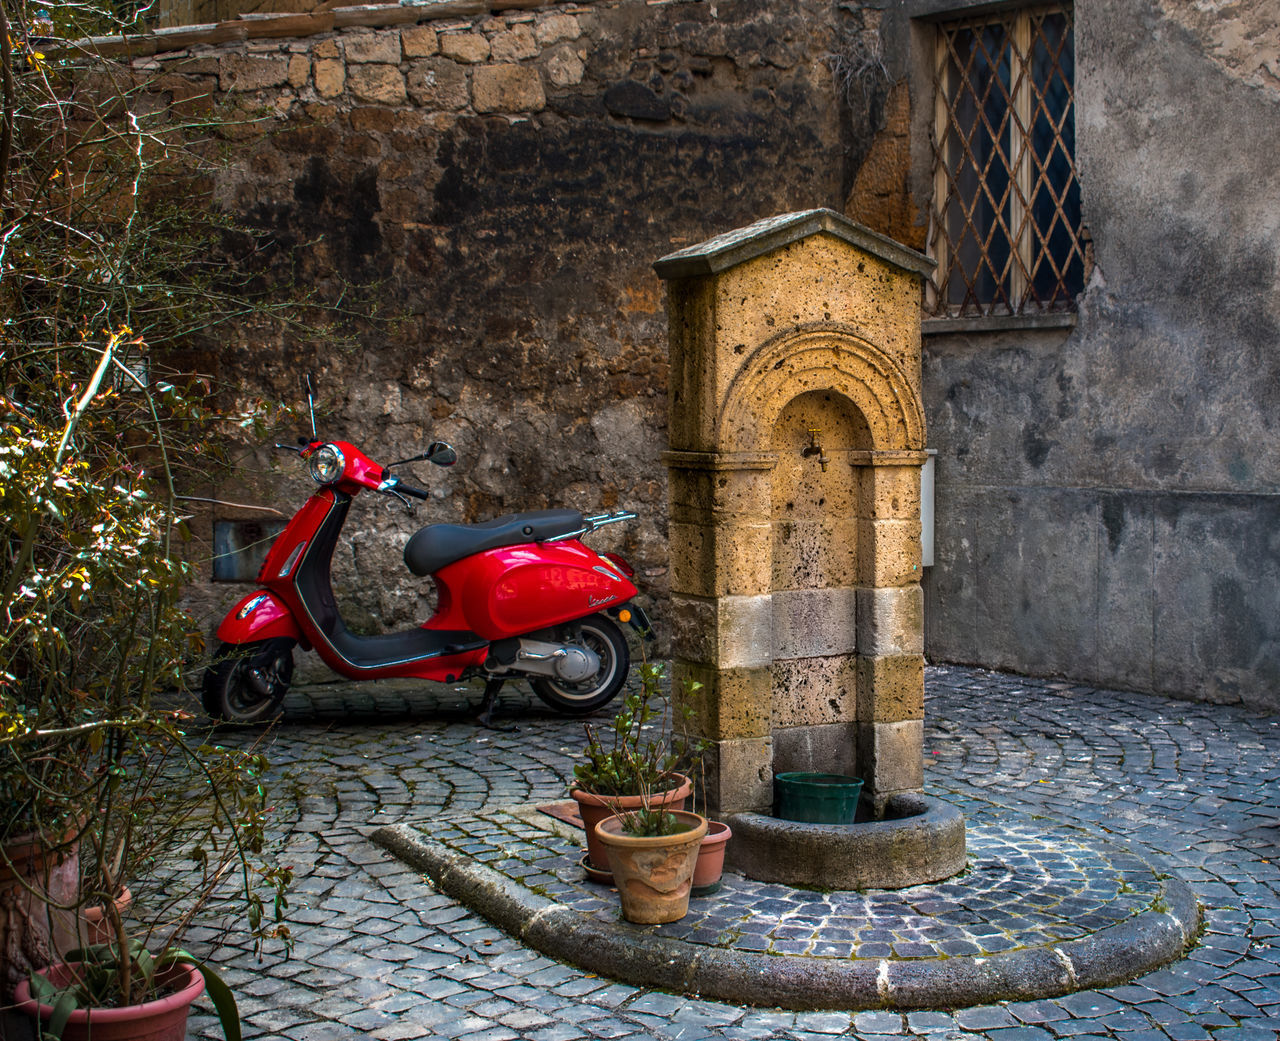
(441, 453)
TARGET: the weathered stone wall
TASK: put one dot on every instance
(502, 184)
(1107, 500)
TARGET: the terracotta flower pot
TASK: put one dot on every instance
(653, 873)
(34, 880)
(97, 927)
(595, 808)
(710, 863)
(164, 1019)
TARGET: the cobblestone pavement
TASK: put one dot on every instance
(381, 954)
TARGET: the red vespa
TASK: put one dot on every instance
(519, 596)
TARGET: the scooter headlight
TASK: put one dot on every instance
(327, 464)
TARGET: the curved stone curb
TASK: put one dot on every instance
(633, 955)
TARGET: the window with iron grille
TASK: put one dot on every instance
(1005, 226)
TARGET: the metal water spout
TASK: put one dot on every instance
(816, 449)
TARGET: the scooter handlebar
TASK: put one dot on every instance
(409, 490)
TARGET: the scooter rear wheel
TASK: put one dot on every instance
(247, 682)
(602, 636)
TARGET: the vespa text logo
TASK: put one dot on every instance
(596, 601)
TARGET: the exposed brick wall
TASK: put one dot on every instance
(881, 196)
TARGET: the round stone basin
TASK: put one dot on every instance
(919, 840)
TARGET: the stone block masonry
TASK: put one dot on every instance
(476, 68)
(495, 184)
(797, 344)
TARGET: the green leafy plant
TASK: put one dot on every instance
(93, 764)
(113, 276)
(639, 753)
(634, 753)
(651, 822)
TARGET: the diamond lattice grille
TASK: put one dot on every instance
(1005, 227)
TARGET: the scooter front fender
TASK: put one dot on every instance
(259, 616)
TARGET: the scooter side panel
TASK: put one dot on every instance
(518, 589)
(261, 615)
(298, 530)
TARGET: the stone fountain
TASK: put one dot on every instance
(796, 444)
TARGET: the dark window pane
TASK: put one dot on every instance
(1007, 220)
(240, 547)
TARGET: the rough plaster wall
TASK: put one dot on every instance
(1107, 500)
(1243, 36)
(513, 248)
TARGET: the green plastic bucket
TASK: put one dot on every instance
(816, 798)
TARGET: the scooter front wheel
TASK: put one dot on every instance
(602, 636)
(246, 683)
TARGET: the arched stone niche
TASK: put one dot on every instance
(796, 442)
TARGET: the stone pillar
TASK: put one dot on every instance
(796, 439)
(890, 624)
(721, 611)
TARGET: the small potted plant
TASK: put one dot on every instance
(631, 790)
(652, 852)
(709, 869)
(77, 997)
(711, 853)
(630, 765)
(174, 830)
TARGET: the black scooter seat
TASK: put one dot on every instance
(438, 545)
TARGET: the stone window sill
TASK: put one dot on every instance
(998, 323)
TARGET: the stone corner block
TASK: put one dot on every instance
(730, 558)
(739, 776)
(891, 689)
(890, 492)
(891, 756)
(728, 632)
(731, 704)
(891, 621)
(889, 552)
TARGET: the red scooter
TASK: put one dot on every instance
(519, 596)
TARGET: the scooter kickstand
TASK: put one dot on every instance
(490, 702)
